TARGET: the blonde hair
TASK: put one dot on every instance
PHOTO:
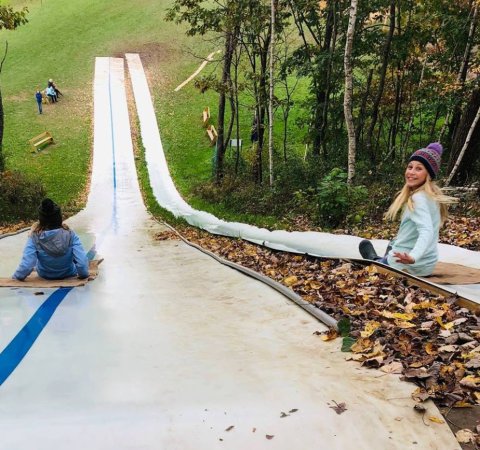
(404, 198)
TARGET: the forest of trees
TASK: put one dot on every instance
(380, 79)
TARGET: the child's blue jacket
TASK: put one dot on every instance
(56, 254)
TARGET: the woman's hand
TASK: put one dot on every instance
(403, 258)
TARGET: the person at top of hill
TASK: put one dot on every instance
(39, 99)
(55, 88)
(52, 248)
(50, 92)
(423, 209)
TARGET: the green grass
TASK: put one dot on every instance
(61, 42)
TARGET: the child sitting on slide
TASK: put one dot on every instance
(52, 248)
(423, 209)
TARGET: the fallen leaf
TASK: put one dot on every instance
(347, 344)
(470, 382)
(339, 408)
(431, 348)
(464, 436)
(294, 410)
(344, 327)
(394, 367)
(420, 395)
(404, 324)
(445, 326)
(435, 419)
(370, 328)
(362, 345)
(447, 348)
(329, 335)
(473, 363)
(462, 405)
(401, 316)
(282, 414)
(230, 428)
(291, 280)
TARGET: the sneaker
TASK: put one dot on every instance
(367, 251)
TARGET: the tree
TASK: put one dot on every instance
(224, 19)
(347, 100)
(465, 144)
(381, 83)
(271, 92)
(316, 23)
(9, 20)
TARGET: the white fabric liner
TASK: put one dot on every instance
(307, 242)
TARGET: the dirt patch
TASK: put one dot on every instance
(156, 57)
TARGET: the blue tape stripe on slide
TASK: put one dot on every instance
(13, 354)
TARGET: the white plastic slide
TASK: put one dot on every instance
(168, 349)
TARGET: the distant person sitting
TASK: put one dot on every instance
(55, 88)
(52, 248)
(51, 94)
(39, 99)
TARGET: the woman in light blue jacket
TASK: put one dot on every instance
(52, 248)
(424, 208)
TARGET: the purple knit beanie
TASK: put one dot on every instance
(430, 157)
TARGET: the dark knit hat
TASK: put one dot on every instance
(430, 157)
(49, 214)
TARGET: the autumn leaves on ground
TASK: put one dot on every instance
(384, 322)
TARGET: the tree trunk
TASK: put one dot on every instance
(464, 152)
(461, 77)
(381, 84)
(347, 99)
(392, 144)
(413, 110)
(330, 44)
(221, 148)
(270, 99)
(363, 108)
(262, 108)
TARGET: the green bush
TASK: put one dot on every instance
(19, 197)
(337, 201)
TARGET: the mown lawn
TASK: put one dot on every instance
(61, 42)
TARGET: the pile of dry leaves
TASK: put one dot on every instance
(384, 322)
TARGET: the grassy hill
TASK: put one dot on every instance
(61, 42)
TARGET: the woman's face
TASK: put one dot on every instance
(415, 175)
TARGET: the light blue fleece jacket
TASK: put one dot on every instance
(418, 236)
(56, 254)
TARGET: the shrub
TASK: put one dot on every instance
(19, 196)
(337, 201)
